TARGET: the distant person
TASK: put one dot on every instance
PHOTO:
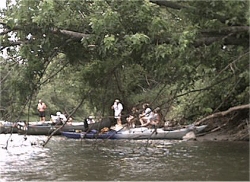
(117, 107)
(91, 120)
(59, 119)
(41, 106)
(88, 121)
(70, 119)
(132, 118)
(156, 119)
(146, 115)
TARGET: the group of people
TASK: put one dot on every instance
(57, 119)
(147, 117)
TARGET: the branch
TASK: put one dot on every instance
(75, 35)
(177, 6)
(12, 43)
(199, 90)
(81, 102)
(226, 40)
(169, 4)
(223, 113)
(72, 34)
(226, 30)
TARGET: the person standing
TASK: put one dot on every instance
(117, 107)
(41, 106)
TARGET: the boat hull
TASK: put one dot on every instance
(134, 133)
(47, 129)
(8, 127)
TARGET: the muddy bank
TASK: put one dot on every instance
(229, 125)
(225, 130)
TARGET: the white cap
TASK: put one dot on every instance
(58, 113)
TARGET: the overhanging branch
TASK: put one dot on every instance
(169, 4)
(75, 35)
(175, 5)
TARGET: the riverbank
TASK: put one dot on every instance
(215, 136)
(229, 125)
(226, 134)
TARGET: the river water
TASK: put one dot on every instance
(121, 160)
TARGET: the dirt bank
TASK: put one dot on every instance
(229, 125)
(225, 130)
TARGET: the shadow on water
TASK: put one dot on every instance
(123, 160)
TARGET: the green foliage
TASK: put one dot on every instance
(132, 50)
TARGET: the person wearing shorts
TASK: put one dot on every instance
(41, 106)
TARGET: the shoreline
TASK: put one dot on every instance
(218, 136)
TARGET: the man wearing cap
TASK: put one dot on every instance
(117, 107)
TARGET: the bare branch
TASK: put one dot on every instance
(224, 113)
(226, 30)
(177, 6)
(72, 34)
(11, 44)
(169, 4)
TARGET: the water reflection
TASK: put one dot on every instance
(123, 160)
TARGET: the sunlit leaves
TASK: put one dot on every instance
(137, 40)
(109, 42)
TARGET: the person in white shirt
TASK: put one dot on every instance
(91, 120)
(59, 118)
(146, 115)
(117, 107)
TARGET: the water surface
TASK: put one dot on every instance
(123, 160)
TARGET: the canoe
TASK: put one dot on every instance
(47, 128)
(8, 127)
(135, 133)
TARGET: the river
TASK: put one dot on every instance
(121, 160)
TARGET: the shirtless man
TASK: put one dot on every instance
(41, 106)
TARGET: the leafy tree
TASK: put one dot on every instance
(189, 57)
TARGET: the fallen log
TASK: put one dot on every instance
(223, 113)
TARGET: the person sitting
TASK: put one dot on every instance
(156, 120)
(59, 119)
(87, 121)
(70, 119)
(91, 120)
(132, 118)
(146, 114)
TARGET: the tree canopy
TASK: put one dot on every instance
(188, 57)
